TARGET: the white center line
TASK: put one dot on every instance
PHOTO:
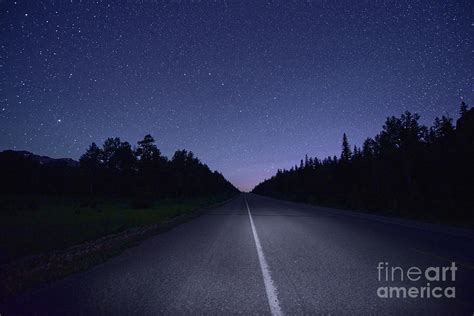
(272, 294)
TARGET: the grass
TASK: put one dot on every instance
(37, 224)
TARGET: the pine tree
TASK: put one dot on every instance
(92, 158)
(346, 154)
(147, 150)
(464, 108)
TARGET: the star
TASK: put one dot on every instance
(298, 85)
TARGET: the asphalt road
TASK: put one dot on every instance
(289, 259)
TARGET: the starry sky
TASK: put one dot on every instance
(249, 87)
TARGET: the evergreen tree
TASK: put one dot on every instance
(147, 150)
(369, 148)
(346, 154)
(92, 158)
(406, 168)
(109, 152)
(464, 108)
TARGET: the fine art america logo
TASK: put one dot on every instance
(434, 281)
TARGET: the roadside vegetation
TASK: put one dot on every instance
(407, 170)
(35, 224)
(48, 204)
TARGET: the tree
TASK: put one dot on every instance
(400, 135)
(407, 168)
(147, 150)
(412, 132)
(92, 158)
(369, 148)
(124, 157)
(464, 108)
(441, 128)
(118, 155)
(346, 154)
(92, 162)
(109, 150)
(113, 170)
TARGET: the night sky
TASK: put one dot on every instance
(249, 88)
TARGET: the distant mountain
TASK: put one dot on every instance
(43, 160)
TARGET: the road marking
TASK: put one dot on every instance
(272, 294)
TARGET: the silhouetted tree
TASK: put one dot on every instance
(464, 108)
(369, 148)
(346, 154)
(406, 168)
(113, 170)
(147, 150)
(92, 158)
(92, 163)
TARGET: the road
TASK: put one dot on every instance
(256, 255)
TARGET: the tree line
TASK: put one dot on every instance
(115, 169)
(407, 169)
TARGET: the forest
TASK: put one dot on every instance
(116, 195)
(113, 170)
(407, 170)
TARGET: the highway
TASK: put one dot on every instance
(256, 255)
